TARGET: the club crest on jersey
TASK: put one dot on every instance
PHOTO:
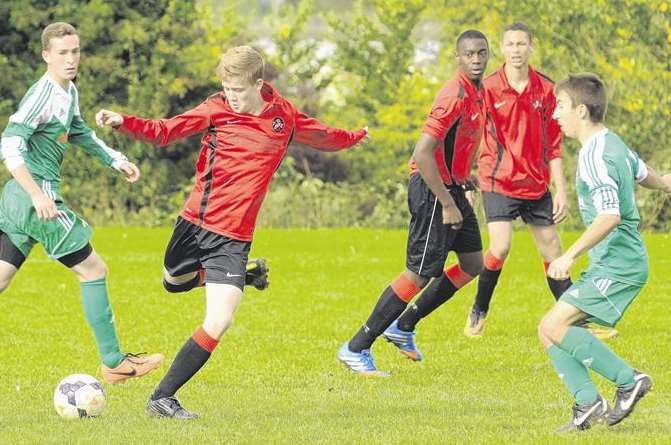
(537, 105)
(278, 124)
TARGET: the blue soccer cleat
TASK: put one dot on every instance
(404, 341)
(360, 362)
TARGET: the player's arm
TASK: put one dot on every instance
(13, 143)
(426, 164)
(320, 136)
(655, 181)
(82, 136)
(445, 112)
(602, 179)
(553, 154)
(159, 132)
(602, 225)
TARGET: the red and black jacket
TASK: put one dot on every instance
(457, 120)
(238, 156)
(521, 137)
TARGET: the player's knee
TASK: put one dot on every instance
(217, 326)
(185, 286)
(473, 267)
(548, 330)
(418, 280)
(4, 284)
(95, 271)
(501, 251)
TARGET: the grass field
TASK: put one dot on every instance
(274, 378)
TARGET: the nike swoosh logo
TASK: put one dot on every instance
(580, 420)
(498, 105)
(230, 275)
(626, 404)
(129, 373)
(474, 116)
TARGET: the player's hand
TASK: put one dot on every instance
(129, 169)
(559, 268)
(559, 207)
(107, 117)
(45, 207)
(364, 140)
(452, 216)
(471, 196)
(472, 183)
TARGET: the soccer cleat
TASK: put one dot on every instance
(626, 399)
(133, 365)
(168, 407)
(257, 274)
(586, 416)
(602, 332)
(360, 362)
(475, 323)
(404, 341)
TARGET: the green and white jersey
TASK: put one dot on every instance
(605, 181)
(37, 134)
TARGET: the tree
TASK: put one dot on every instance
(149, 58)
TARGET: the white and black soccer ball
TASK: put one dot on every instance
(78, 396)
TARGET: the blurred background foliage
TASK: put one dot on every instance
(349, 63)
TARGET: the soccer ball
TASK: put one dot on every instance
(78, 396)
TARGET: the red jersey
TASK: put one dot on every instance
(238, 156)
(521, 137)
(457, 120)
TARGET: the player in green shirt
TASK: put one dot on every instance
(32, 209)
(618, 268)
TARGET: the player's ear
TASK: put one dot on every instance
(258, 84)
(583, 112)
(45, 55)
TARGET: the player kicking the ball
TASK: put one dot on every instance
(247, 129)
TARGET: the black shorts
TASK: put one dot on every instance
(192, 248)
(429, 240)
(9, 252)
(500, 207)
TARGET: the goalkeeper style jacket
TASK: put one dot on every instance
(238, 156)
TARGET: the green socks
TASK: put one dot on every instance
(574, 375)
(592, 353)
(99, 316)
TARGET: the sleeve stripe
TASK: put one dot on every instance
(40, 105)
(115, 155)
(598, 169)
(31, 104)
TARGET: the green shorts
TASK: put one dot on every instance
(66, 234)
(604, 299)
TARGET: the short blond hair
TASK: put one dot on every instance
(242, 62)
(56, 30)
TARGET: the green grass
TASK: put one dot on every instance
(274, 378)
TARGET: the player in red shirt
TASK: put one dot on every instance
(247, 129)
(522, 152)
(442, 219)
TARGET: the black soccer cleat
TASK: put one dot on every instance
(626, 399)
(257, 274)
(168, 407)
(586, 416)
